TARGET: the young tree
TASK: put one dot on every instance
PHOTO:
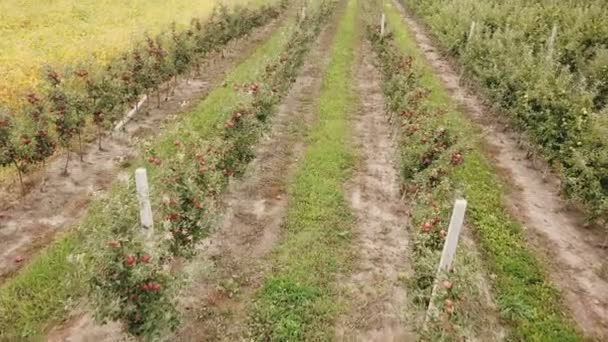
(158, 68)
(43, 143)
(75, 85)
(16, 147)
(183, 49)
(104, 90)
(64, 118)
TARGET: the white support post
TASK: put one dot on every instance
(130, 114)
(143, 196)
(449, 251)
(382, 24)
(303, 16)
(551, 43)
(471, 31)
(451, 242)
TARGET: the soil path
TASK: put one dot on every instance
(256, 207)
(376, 289)
(28, 224)
(559, 235)
(231, 262)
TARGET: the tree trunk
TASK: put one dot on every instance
(99, 136)
(67, 161)
(80, 149)
(20, 178)
(42, 188)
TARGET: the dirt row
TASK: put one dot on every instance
(375, 290)
(56, 202)
(233, 261)
(557, 232)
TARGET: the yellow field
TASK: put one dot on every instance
(35, 32)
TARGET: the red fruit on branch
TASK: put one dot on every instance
(130, 260)
(154, 160)
(427, 227)
(53, 77)
(32, 98)
(229, 173)
(81, 73)
(151, 286)
(253, 88)
(456, 159)
(237, 116)
(145, 258)
(172, 216)
(229, 124)
(114, 244)
(446, 284)
(177, 143)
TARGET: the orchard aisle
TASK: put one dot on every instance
(375, 290)
(29, 224)
(236, 256)
(557, 233)
(231, 263)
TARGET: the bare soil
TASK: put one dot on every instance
(231, 262)
(256, 207)
(30, 223)
(557, 232)
(376, 289)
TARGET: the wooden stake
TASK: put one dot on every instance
(143, 196)
(471, 31)
(447, 256)
(551, 42)
(382, 24)
(449, 249)
(130, 114)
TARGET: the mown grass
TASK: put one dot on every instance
(45, 291)
(527, 301)
(299, 299)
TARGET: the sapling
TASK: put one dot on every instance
(44, 145)
(59, 103)
(16, 146)
(104, 91)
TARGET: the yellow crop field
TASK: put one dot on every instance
(36, 32)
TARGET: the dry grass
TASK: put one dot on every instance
(36, 32)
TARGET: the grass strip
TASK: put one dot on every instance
(525, 297)
(298, 300)
(45, 291)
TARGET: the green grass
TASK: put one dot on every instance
(298, 301)
(46, 290)
(527, 301)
